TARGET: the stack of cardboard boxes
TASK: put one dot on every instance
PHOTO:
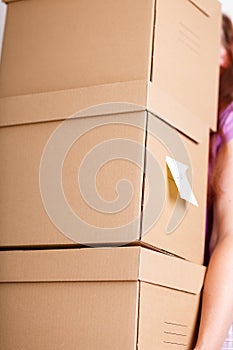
(105, 112)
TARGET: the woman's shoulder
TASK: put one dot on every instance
(226, 123)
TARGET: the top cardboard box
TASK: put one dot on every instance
(162, 55)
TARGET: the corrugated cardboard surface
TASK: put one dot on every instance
(185, 236)
(66, 45)
(183, 71)
(70, 316)
(101, 264)
(69, 46)
(92, 299)
(172, 315)
(27, 221)
(59, 105)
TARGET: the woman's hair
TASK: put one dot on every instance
(226, 74)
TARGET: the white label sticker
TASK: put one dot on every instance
(178, 171)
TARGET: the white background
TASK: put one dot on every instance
(2, 21)
(227, 7)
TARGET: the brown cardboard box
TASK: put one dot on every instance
(86, 181)
(121, 298)
(162, 55)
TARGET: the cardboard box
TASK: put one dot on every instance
(103, 180)
(162, 55)
(120, 298)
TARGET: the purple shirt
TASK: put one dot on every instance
(217, 140)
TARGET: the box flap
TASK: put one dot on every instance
(207, 7)
(171, 272)
(175, 114)
(59, 105)
(101, 264)
(83, 264)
